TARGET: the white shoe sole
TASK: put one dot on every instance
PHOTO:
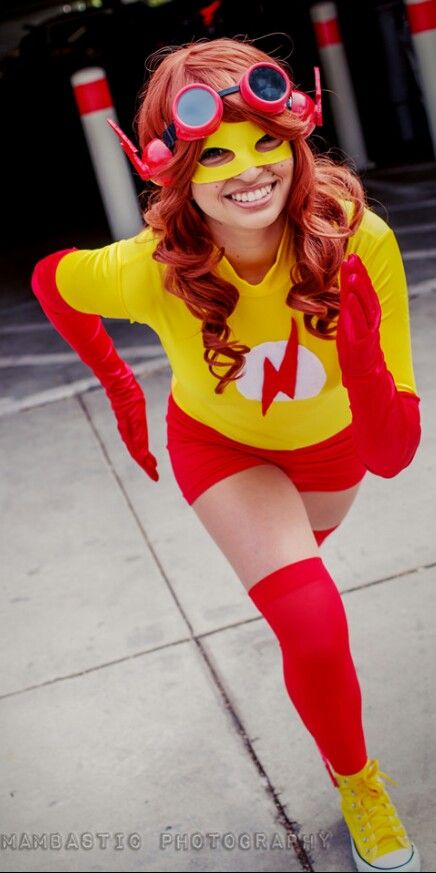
(412, 865)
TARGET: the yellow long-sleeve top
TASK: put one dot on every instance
(306, 401)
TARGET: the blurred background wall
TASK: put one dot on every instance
(48, 184)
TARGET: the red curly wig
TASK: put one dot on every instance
(316, 206)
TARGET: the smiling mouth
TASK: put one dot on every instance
(257, 195)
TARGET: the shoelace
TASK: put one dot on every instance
(377, 822)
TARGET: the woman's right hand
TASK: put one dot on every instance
(85, 333)
(129, 405)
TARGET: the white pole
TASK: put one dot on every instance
(421, 15)
(94, 102)
(338, 79)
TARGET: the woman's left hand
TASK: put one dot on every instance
(358, 336)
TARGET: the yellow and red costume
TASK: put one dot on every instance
(291, 395)
(297, 399)
(324, 411)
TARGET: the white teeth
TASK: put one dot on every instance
(253, 195)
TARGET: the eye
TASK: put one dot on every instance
(215, 157)
(267, 143)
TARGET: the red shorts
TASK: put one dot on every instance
(201, 456)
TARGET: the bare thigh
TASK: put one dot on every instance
(261, 522)
(328, 508)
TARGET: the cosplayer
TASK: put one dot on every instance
(281, 302)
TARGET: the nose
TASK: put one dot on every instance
(250, 174)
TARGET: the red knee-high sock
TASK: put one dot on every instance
(302, 605)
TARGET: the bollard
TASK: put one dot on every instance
(421, 15)
(337, 76)
(94, 102)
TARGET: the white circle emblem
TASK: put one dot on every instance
(311, 375)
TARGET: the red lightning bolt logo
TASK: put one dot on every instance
(285, 378)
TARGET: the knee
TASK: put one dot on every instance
(307, 644)
(304, 608)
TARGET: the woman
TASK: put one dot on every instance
(281, 302)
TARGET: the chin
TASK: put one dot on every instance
(259, 220)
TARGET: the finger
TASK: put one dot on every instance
(151, 467)
(358, 317)
(153, 474)
(343, 281)
(360, 284)
(357, 280)
(345, 267)
(145, 458)
(358, 294)
(346, 332)
(349, 266)
(354, 262)
(356, 266)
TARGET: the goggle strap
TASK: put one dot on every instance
(169, 136)
(232, 90)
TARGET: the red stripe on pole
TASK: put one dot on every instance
(327, 32)
(93, 96)
(422, 16)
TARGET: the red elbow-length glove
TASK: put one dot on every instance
(86, 335)
(386, 422)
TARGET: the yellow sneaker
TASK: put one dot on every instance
(379, 841)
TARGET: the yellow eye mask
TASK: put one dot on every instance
(239, 139)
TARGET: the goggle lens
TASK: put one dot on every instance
(196, 107)
(267, 83)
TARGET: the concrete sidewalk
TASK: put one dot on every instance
(142, 693)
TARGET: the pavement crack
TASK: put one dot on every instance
(136, 517)
(410, 572)
(95, 667)
(290, 826)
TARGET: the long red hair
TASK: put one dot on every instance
(316, 209)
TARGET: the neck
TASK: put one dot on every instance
(250, 252)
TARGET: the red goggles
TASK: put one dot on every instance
(197, 112)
